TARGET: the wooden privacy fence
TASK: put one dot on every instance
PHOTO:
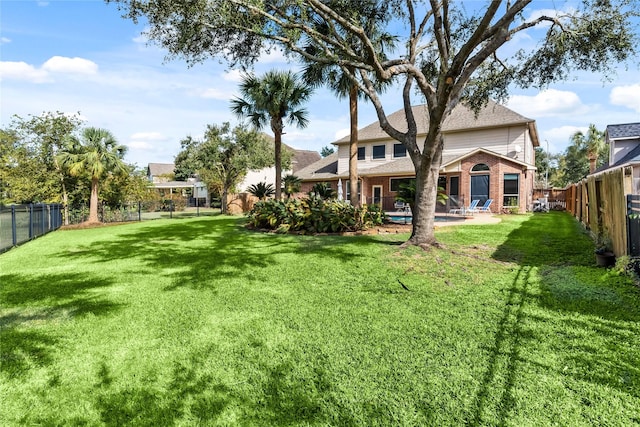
(601, 203)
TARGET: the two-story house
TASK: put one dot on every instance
(486, 156)
(624, 150)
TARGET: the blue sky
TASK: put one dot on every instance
(81, 56)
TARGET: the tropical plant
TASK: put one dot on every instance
(96, 154)
(290, 185)
(322, 190)
(313, 215)
(449, 51)
(262, 190)
(275, 98)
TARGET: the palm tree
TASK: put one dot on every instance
(272, 99)
(340, 81)
(592, 143)
(96, 154)
(262, 190)
(291, 184)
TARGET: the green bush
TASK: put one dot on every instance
(313, 215)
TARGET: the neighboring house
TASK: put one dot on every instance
(624, 151)
(161, 175)
(300, 160)
(488, 156)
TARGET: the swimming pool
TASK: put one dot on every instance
(406, 219)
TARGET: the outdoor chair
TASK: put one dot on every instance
(470, 209)
(485, 207)
(400, 206)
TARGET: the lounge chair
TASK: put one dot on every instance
(470, 209)
(400, 206)
(485, 207)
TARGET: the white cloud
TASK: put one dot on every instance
(548, 103)
(139, 145)
(552, 13)
(341, 133)
(61, 64)
(5, 40)
(559, 137)
(22, 71)
(215, 93)
(149, 136)
(233, 76)
(626, 96)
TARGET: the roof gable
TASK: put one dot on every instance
(450, 161)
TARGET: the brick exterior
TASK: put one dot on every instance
(497, 168)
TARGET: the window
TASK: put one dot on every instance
(399, 150)
(511, 190)
(378, 151)
(348, 192)
(361, 152)
(395, 183)
(454, 192)
(442, 183)
(480, 167)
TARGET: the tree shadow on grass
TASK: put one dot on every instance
(557, 275)
(30, 300)
(194, 251)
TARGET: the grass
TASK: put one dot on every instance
(200, 322)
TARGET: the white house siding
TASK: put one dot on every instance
(502, 141)
(253, 177)
(621, 148)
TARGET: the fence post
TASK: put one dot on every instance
(30, 220)
(14, 229)
(43, 206)
(139, 211)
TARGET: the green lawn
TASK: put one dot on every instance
(200, 322)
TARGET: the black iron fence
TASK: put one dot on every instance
(21, 223)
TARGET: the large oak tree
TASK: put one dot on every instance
(447, 52)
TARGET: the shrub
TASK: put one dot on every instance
(313, 215)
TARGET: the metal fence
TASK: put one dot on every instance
(21, 223)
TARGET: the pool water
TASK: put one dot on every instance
(401, 219)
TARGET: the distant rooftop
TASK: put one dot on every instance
(623, 131)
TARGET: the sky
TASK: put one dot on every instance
(81, 57)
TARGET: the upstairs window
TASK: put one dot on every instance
(399, 150)
(361, 152)
(379, 152)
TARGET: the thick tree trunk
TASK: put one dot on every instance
(424, 209)
(277, 146)
(223, 202)
(353, 146)
(93, 202)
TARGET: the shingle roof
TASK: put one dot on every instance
(303, 158)
(325, 168)
(626, 130)
(157, 169)
(461, 118)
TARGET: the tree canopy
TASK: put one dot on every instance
(224, 156)
(446, 51)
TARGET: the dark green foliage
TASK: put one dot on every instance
(290, 185)
(322, 190)
(262, 190)
(327, 151)
(314, 215)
